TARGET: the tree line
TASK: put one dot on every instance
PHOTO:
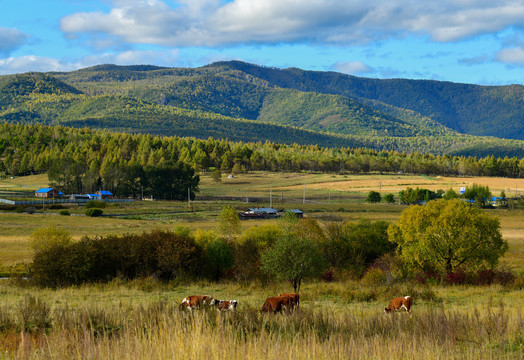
(444, 238)
(83, 160)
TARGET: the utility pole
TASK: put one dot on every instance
(271, 198)
(304, 197)
(189, 198)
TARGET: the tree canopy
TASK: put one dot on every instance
(448, 234)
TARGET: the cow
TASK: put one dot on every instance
(277, 304)
(398, 303)
(195, 301)
(295, 299)
(225, 305)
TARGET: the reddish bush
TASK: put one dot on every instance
(459, 277)
(328, 276)
(485, 277)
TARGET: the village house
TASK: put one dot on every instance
(48, 193)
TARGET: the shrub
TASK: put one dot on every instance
(45, 237)
(459, 277)
(56, 206)
(64, 212)
(328, 276)
(158, 254)
(94, 212)
(374, 277)
(374, 197)
(95, 204)
(389, 198)
(218, 259)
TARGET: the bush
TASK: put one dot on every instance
(94, 212)
(55, 206)
(158, 254)
(374, 197)
(64, 212)
(95, 204)
(389, 198)
(374, 277)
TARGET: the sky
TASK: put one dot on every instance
(466, 41)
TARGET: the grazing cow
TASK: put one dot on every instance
(195, 301)
(399, 303)
(277, 304)
(224, 305)
(295, 299)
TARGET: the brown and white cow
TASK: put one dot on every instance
(195, 301)
(277, 304)
(399, 303)
(295, 299)
(225, 305)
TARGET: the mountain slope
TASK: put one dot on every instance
(470, 109)
(243, 102)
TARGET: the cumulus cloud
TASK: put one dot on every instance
(11, 39)
(352, 68)
(133, 57)
(514, 56)
(220, 22)
(13, 65)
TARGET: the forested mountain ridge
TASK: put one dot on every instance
(466, 108)
(239, 102)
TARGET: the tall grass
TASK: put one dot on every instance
(126, 326)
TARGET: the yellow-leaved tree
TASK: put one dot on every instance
(447, 234)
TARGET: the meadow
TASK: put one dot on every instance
(340, 319)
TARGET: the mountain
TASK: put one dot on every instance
(470, 109)
(246, 102)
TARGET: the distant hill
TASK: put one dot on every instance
(246, 102)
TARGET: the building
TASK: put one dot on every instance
(105, 194)
(259, 213)
(48, 193)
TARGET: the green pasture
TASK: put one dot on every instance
(310, 192)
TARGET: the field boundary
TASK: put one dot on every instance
(60, 201)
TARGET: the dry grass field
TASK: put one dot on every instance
(327, 197)
(338, 320)
(141, 320)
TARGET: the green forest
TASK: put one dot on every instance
(241, 102)
(82, 160)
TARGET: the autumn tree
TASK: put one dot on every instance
(447, 234)
(228, 222)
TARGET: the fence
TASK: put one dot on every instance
(60, 201)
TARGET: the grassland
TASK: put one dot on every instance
(141, 320)
(325, 197)
(341, 319)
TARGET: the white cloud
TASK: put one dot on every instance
(513, 56)
(133, 57)
(11, 39)
(352, 68)
(13, 65)
(219, 22)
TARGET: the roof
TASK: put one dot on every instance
(104, 192)
(262, 210)
(44, 190)
(295, 211)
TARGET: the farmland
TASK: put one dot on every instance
(339, 319)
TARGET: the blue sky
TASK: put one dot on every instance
(469, 41)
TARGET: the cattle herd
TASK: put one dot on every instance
(281, 303)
